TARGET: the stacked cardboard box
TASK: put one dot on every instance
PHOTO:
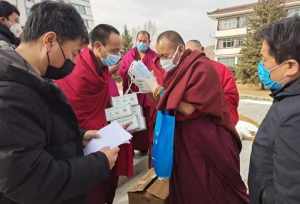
(127, 111)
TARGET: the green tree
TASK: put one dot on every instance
(126, 39)
(265, 12)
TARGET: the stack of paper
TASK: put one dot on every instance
(112, 135)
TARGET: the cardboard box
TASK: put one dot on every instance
(149, 190)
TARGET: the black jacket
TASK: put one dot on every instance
(274, 176)
(41, 158)
(7, 38)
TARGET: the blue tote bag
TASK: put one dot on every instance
(163, 144)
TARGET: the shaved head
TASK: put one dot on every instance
(170, 45)
(172, 36)
(194, 45)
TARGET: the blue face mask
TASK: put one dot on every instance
(265, 78)
(111, 60)
(142, 47)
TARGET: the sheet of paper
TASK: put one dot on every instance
(112, 135)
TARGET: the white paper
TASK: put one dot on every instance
(112, 135)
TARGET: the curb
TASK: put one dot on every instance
(257, 98)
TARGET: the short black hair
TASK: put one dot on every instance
(143, 32)
(102, 32)
(58, 17)
(283, 39)
(172, 36)
(6, 9)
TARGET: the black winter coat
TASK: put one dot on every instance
(41, 157)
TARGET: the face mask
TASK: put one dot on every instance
(168, 64)
(142, 47)
(16, 29)
(111, 60)
(59, 73)
(264, 76)
(282, 81)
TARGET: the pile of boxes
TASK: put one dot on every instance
(127, 111)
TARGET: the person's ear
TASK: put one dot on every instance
(97, 48)
(48, 40)
(181, 48)
(292, 68)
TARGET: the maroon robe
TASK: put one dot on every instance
(89, 89)
(206, 155)
(141, 140)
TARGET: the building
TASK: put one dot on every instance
(232, 29)
(82, 6)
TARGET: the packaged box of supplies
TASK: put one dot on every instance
(149, 190)
(128, 99)
(117, 112)
(131, 120)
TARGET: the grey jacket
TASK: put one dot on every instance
(274, 176)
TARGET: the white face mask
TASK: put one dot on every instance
(16, 29)
(168, 64)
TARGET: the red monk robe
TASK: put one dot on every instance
(89, 89)
(141, 140)
(206, 155)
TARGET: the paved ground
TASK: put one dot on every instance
(256, 110)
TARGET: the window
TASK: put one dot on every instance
(230, 43)
(242, 22)
(226, 43)
(227, 24)
(238, 42)
(229, 61)
(233, 23)
(294, 11)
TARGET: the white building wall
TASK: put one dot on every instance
(227, 52)
(25, 5)
(231, 33)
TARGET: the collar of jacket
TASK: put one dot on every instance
(290, 89)
(14, 68)
(9, 35)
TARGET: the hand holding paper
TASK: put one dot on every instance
(111, 155)
(112, 135)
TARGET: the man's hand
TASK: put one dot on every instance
(89, 135)
(186, 108)
(114, 68)
(111, 155)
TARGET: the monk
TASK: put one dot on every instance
(206, 155)
(89, 89)
(141, 140)
(227, 81)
